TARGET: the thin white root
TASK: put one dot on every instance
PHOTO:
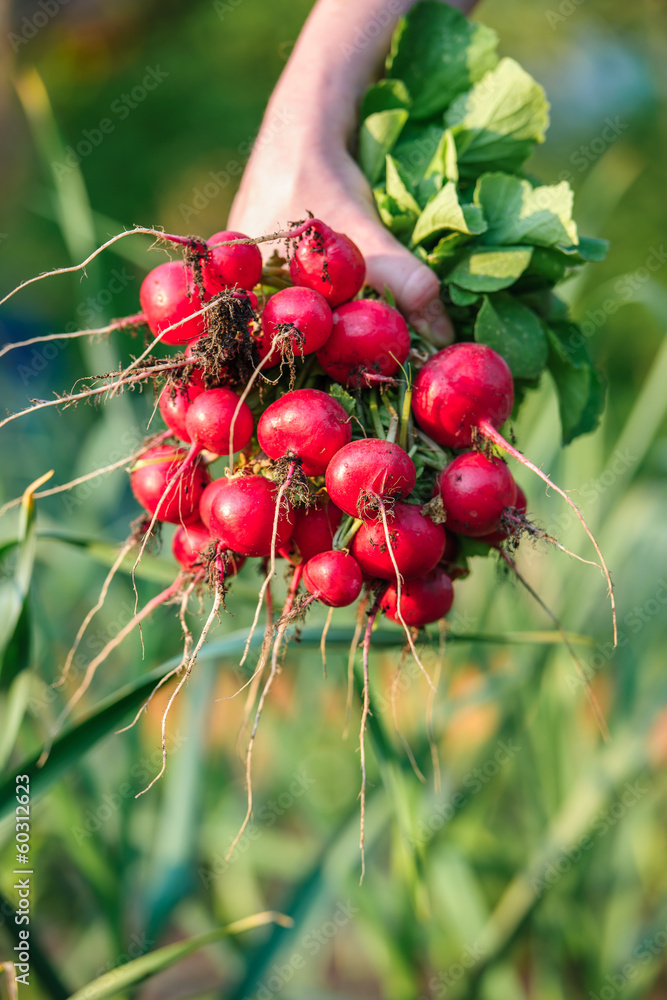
(358, 629)
(119, 324)
(493, 435)
(362, 742)
(187, 646)
(323, 642)
(272, 564)
(89, 475)
(136, 231)
(93, 611)
(69, 400)
(590, 695)
(399, 613)
(179, 687)
(186, 465)
(251, 741)
(156, 601)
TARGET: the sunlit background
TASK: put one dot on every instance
(538, 869)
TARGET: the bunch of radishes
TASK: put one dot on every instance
(297, 470)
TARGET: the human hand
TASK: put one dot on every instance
(301, 162)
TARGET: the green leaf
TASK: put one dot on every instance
(398, 188)
(547, 267)
(438, 53)
(461, 297)
(151, 568)
(446, 252)
(580, 387)
(68, 748)
(14, 711)
(397, 222)
(515, 332)
(14, 622)
(377, 137)
(17, 652)
(384, 95)
(415, 149)
(517, 212)
(497, 123)
(489, 269)
(444, 163)
(344, 398)
(445, 212)
(122, 978)
(588, 249)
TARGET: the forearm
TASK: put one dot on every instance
(338, 53)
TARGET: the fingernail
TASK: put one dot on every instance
(442, 331)
(433, 323)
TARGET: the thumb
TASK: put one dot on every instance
(413, 284)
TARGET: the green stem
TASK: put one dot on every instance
(346, 532)
(375, 414)
(406, 410)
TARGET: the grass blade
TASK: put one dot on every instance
(128, 975)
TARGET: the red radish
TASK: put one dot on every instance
(169, 294)
(467, 389)
(243, 516)
(327, 261)
(475, 490)
(239, 265)
(209, 421)
(422, 601)
(158, 472)
(303, 313)
(207, 498)
(366, 471)
(334, 578)
(510, 522)
(307, 423)
(175, 400)
(189, 546)
(458, 388)
(369, 342)
(314, 530)
(189, 543)
(417, 543)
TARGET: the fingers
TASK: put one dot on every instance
(414, 285)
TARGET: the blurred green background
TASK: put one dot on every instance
(538, 870)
